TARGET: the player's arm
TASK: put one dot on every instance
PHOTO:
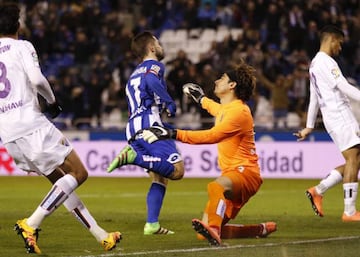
(155, 85)
(337, 80)
(38, 80)
(42, 85)
(231, 125)
(197, 94)
(348, 89)
(208, 136)
(51, 107)
(313, 110)
(210, 106)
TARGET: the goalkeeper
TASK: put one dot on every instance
(240, 173)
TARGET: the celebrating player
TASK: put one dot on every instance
(240, 172)
(329, 92)
(32, 140)
(147, 98)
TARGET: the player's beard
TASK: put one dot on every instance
(160, 55)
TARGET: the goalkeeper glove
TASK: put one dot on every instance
(194, 90)
(156, 133)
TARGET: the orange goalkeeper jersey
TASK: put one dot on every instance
(233, 132)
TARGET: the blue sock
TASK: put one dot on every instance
(154, 201)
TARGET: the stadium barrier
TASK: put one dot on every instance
(96, 135)
(298, 160)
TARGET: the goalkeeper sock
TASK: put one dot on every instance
(74, 205)
(217, 205)
(154, 201)
(241, 231)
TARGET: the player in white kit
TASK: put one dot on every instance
(329, 92)
(35, 144)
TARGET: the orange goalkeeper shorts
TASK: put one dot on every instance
(245, 184)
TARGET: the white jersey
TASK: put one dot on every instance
(325, 78)
(20, 77)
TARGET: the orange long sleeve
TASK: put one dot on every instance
(233, 132)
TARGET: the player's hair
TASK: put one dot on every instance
(9, 18)
(244, 76)
(330, 29)
(140, 42)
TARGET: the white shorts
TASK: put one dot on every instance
(346, 136)
(41, 151)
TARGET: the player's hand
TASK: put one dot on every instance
(194, 90)
(302, 134)
(156, 133)
(53, 110)
(171, 109)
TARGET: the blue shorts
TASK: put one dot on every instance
(165, 149)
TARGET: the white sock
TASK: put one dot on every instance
(56, 196)
(74, 205)
(350, 195)
(331, 180)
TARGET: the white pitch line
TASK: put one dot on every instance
(189, 250)
(134, 195)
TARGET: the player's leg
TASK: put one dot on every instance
(215, 211)
(217, 201)
(333, 178)
(229, 231)
(73, 165)
(350, 185)
(56, 154)
(248, 231)
(42, 151)
(167, 151)
(315, 194)
(346, 137)
(245, 185)
(75, 206)
(62, 188)
(150, 157)
(154, 201)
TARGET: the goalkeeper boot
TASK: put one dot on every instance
(29, 234)
(208, 232)
(126, 156)
(109, 243)
(267, 228)
(315, 200)
(155, 229)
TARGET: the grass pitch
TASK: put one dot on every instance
(119, 204)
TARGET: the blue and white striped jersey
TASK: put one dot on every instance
(147, 96)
